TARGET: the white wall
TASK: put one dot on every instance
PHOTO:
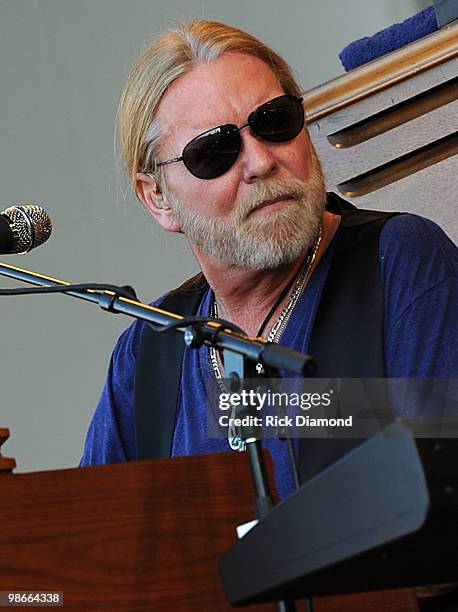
(62, 66)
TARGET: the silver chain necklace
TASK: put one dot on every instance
(235, 442)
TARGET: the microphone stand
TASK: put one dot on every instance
(241, 354)
(196, 331)
(239, 369)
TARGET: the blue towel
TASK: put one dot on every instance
(399, 34)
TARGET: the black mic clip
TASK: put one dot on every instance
(125, 291)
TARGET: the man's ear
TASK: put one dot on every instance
(150, 194)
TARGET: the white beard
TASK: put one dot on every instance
(259, 241)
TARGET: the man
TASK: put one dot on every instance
(212, 132)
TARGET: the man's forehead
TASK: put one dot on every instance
(221, 91)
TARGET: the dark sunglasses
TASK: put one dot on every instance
(212, 153)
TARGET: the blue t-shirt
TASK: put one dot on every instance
(419, 271)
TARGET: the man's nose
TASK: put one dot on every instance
(258, 160)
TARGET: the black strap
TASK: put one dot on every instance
(158, 375)
(347, 335)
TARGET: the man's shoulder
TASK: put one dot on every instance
(402, 231)
(419, 264)
(407, 222)
(411, 241)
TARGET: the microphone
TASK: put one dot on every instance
(23, 228)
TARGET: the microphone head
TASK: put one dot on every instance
(31, 226)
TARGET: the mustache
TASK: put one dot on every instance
(268, 190)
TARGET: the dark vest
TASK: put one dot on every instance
(346, 340)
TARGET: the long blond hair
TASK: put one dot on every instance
(171, 55)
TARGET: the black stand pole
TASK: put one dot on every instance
(238, 368)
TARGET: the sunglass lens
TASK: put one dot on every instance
(278, 120)
(213, 153)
